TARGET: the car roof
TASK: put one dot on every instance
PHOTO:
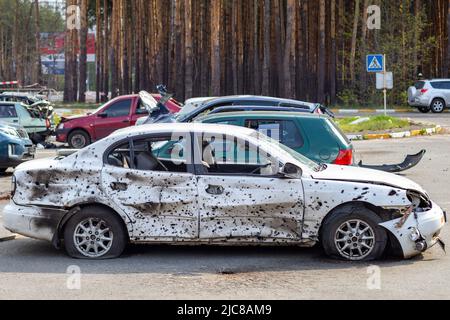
(180, 127)
(257, 98)
(278, 114)
(433, 80)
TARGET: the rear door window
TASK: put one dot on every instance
(8, 111)
(285, 131)
(439, 85)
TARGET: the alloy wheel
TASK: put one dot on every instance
(93, 238)
(355, 240)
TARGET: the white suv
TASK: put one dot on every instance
(429, 95)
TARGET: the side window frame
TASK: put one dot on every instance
(105, 110)
(282, 123)
(200, 170)
(189, 167)
(13, 107)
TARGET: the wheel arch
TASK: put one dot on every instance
(354, 204)
(438, 98)
(393, 246)
(77, 208)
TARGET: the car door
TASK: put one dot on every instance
(239, 203)
(158, 194)
(113, 117)
(446, 91)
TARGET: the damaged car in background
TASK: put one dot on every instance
(307, 128)
(131, 188)
(37, 124)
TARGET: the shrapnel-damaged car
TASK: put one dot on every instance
(122, 189)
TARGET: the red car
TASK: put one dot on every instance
(118, 113)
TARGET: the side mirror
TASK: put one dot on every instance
(291, 171)
(103, 115)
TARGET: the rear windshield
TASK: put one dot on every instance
(419, 85)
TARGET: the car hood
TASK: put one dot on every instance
(361, 175)
(71, 118)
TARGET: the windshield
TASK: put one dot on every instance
(287, 152)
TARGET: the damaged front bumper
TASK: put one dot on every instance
(410, 162)
(418, 231)
(33, 222)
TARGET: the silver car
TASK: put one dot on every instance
(429, 95)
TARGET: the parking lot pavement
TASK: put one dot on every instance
(33, 269)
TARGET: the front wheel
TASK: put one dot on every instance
(95, 233)
(438, 106)
(354, 234)
(79, 139)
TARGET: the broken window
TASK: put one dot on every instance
(222, 154)
(120, 156)
(167, 154)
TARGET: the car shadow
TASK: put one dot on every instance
(30, 256)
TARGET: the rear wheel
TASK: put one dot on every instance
(79, 139)
(424, 109)
(95, 233)
(354, 234)
(438, 106)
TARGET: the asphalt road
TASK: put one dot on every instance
(33, 269)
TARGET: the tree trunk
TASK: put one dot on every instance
(215, 47)
(321, 54)
(83, 51)
(354, 38)
(332, 68)
(37, 74)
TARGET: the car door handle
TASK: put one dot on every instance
(126, 121)
(215, 190)
(119, 186)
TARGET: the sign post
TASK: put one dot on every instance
(385, 80)
(384, 85)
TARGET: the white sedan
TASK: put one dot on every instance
(218, 185)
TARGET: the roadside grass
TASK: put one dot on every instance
(375, 123)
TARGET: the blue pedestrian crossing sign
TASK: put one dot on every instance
(375, 63)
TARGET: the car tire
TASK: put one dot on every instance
(438, 105)
(344, 237)
(3, 170)
(105, 230)
(79, 139)
(424, 109)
